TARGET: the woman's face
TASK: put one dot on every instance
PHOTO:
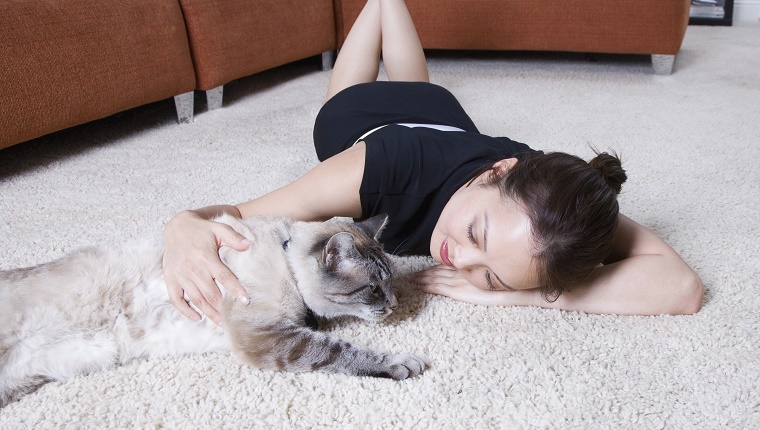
(487, 238)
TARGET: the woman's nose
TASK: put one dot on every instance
(465, 257)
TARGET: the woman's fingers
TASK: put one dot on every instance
(192, 267)
(176, 297)
(193, 285)
(226, 236)
(449, 282)
(436, 274)
(441, 280)
(202, 300)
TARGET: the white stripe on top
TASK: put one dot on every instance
(411, 125)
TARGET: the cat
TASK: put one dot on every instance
(101, 307)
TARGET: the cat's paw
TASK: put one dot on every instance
(405, 366)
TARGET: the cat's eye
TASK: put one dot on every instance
(376, 291)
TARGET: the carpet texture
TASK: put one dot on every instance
(690, 143)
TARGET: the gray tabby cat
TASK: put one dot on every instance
(101, 307)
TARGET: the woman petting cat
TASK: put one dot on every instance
(507, 225)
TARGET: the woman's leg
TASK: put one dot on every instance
(386, 25)
(403, 57)
(359, 58)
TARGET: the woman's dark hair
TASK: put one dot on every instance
(573, 209)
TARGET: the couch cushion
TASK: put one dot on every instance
(235, 38)
(66, 62)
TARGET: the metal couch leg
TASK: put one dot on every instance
(328, 59)
(184, 105)
(663, 64)
(214, 97)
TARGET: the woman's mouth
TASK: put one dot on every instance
(445, 253)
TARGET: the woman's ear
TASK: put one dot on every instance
(501, 167)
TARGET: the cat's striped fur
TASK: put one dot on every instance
(101, 307)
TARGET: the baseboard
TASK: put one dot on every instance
(746, 11)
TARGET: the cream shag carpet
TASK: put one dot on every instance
(690, 143)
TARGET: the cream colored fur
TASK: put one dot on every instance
(102, 307)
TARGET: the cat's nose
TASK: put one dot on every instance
(392, 303)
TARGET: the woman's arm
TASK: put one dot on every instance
(191, 260)
(328, 190)
(643, 276)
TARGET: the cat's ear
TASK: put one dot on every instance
(339, 247)
(374, 226)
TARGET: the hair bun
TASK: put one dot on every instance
(611, 169)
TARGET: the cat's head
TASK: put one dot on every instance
(353, 274)
(340, 268)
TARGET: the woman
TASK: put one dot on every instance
(508, 225)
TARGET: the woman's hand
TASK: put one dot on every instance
(192, 265)
(449, 282)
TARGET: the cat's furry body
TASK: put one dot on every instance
(101, 307)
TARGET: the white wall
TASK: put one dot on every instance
(746, 10)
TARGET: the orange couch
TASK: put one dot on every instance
(67, 62)
(654, 27)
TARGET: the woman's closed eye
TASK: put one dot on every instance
(470, 234)
(489, 283)
(498, 286)
(471, 237)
